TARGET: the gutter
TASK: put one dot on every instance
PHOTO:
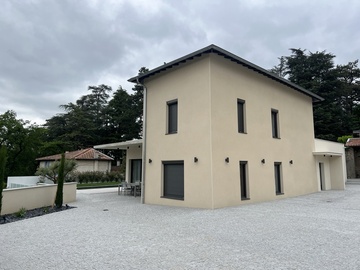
(144, 143)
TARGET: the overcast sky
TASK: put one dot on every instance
(52, 50)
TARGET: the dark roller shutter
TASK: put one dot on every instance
(174, 180)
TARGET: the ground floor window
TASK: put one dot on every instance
(135, 170)
(321, 171)
(244, 181)
(173, 181)
(278, 178)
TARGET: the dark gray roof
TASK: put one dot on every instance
(232, 57)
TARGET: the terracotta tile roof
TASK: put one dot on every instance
(353, 142)
(83, 154)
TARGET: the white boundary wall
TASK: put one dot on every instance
(35, 197)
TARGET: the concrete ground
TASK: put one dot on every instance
(107, 231)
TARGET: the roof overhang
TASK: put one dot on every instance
(120, 145)
(231, 57)
(327, 154)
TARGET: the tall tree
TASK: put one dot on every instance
(123, 117)
(335, 116)
(84, 122)
(138, 99)
(349, 76)
(23, 141)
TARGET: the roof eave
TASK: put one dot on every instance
(231, 57)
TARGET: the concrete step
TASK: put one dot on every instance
(353, 181)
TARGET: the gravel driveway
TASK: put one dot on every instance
(107, 231)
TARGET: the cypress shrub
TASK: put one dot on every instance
(60, 185)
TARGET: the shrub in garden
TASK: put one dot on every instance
(99, 177)
(21, 213)
(52, 171)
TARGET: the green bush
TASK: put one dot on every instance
(21, 213)
(98, 177)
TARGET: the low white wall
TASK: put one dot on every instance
(328, 146)
(35, 197)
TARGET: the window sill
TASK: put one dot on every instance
(170, 133)
(277, 138)
(172, 198)
(242, 132)
(245, 199)
(279, 193)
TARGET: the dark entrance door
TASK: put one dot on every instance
(174, 179)
(135, 175)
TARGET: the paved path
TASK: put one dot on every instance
(107, 231)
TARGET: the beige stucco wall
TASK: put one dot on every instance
(93, 165)
(190, 85)
(35, 197)
(230, 82)
(207, 90)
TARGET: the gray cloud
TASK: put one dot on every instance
(51, 50)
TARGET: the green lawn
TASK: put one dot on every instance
(97, 185)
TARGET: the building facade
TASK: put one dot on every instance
(220, 131)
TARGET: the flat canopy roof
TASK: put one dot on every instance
(327, 154)
(120, 145)
(231, 57)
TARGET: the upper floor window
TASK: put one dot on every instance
(172, 121)
(275, 123)
(241, 115)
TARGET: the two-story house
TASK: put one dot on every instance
(220, 131)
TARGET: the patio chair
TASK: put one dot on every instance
(124, 188)
(137, 189)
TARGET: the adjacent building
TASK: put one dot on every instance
(87, 159)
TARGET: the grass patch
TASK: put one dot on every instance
(97, 185)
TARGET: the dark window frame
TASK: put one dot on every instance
(275, 124)
(244, 180)
(172, 117)
(132, 172)
(164, 188)
(241, 116)
(279, 188)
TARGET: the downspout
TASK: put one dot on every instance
(144, 143)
